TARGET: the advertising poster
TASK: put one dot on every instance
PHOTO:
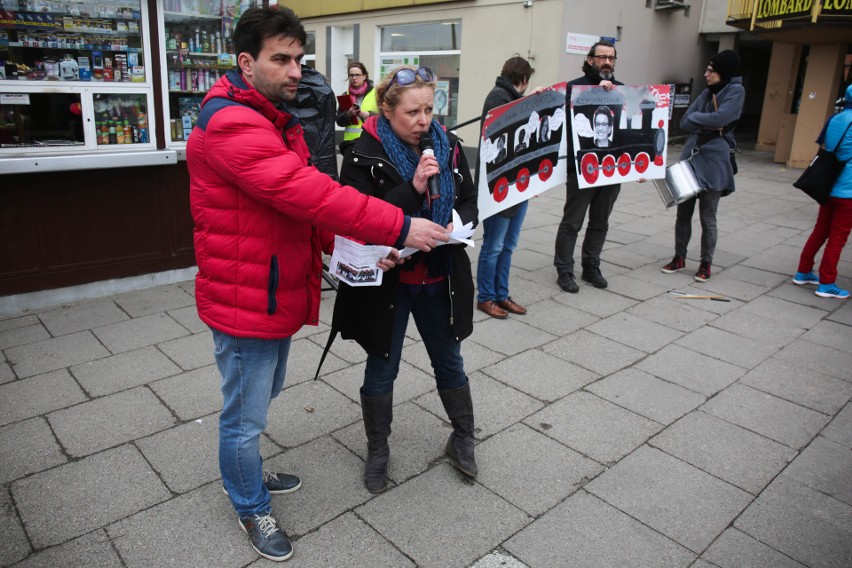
(620, 135)
(522, 150)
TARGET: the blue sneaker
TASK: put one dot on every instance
(802, 278)
(831, 291)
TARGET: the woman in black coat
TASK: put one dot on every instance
(436, 287)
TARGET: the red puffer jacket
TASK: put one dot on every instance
(259, 209)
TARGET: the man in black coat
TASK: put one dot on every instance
(598, 69)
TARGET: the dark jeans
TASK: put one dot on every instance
(599, 202)
(708, 202)
(432, 317)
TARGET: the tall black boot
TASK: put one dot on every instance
(378, 415)
(459, 407)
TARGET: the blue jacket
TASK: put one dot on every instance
(843, 148)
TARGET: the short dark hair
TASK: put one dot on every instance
(601, 43)
(517, 70)
(257, 24)
(360, 66)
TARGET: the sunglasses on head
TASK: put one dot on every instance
(406, 76)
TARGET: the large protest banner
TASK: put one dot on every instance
(522, 150)
(620, 135)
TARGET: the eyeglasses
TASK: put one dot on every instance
(406, 76)
(355, 75)
(601, 124)
(709, 70)
(605, 57)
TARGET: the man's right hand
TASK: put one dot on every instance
(423, 234)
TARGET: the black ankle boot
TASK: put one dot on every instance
(459, 407)
(592, 275)
(378, 415)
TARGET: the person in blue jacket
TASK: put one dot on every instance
(710, 120)
(835, 217)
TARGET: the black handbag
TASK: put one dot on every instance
(820, 175)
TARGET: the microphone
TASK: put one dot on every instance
(427, 148)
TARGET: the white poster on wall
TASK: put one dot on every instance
(580, 44)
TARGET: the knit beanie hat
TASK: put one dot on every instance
(726, 64)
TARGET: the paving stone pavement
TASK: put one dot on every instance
(618, 427)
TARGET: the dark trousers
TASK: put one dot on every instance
(598, 201)
(708, 202)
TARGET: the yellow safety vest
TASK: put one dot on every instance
(353, 131)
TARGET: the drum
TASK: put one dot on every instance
(680, 184)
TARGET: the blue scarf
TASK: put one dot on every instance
(406, 160)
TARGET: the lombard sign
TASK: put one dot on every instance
(783, 9)
(836, 8)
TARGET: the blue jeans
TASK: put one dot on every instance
(252, 375)
(499, 241)
(432, 317)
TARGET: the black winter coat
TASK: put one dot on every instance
(365, 314)
(315, 107)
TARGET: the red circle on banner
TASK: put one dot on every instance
(608, 165)
(624, 164)
(642, 162)
(501, 190)
(523, 179)
(589, 168)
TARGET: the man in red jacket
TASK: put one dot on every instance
(261, 214)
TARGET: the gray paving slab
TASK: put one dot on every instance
(825, 466)
(764, 330)
(725, 450)
(764, 279)
(802, 523)
(188, 318)
(594, 352)
(417, 440)
(495, 405)
(830, 334)
(308, 411)
(843, 314)
(768, 415)
(203, 517)
(825, 360)
(585, 531)
(509, 336)
(346, 349)
(635, 331)
(802, 295)
(190, 352)
(150, 301)
(540, 375)
(81, 316)
(840, 428)
(429, 500)
(498, 559)
(626, 285)
(556, 318)
(733, 288)
(191, 394)
(15, 544)
(646, 395)
(93, 550)
(56, 353)
(601, 303)
(346, 541)
(39, 452)
(701, 373)
(332, 484)
(23, 335)
(106, 422)
(668, 311)
(6, 374)
(806, 388)
(560, 471)
(682, 502)
(735, 549)
(15, 321)
(304, 359)
(70, 500)
(726, 346)
(123, 371)
(594, 427)
(139, 332)
(784, 312)
(26, 398)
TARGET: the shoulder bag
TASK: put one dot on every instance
(820, 175)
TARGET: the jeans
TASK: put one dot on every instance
(432, 317)
(599, 202)
(708, 202)
(833, 224)
(499, 240)
(252, 375)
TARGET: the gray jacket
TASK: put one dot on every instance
(712, 162)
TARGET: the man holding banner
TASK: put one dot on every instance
(598, 69)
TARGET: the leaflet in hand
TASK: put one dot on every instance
(355, 263)
(461, 235)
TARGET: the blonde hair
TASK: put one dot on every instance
(389, 91)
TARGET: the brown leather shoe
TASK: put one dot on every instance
(492, 309)
(512, 307)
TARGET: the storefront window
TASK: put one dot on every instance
(432, 45)
(310, 58)
(199, 50)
